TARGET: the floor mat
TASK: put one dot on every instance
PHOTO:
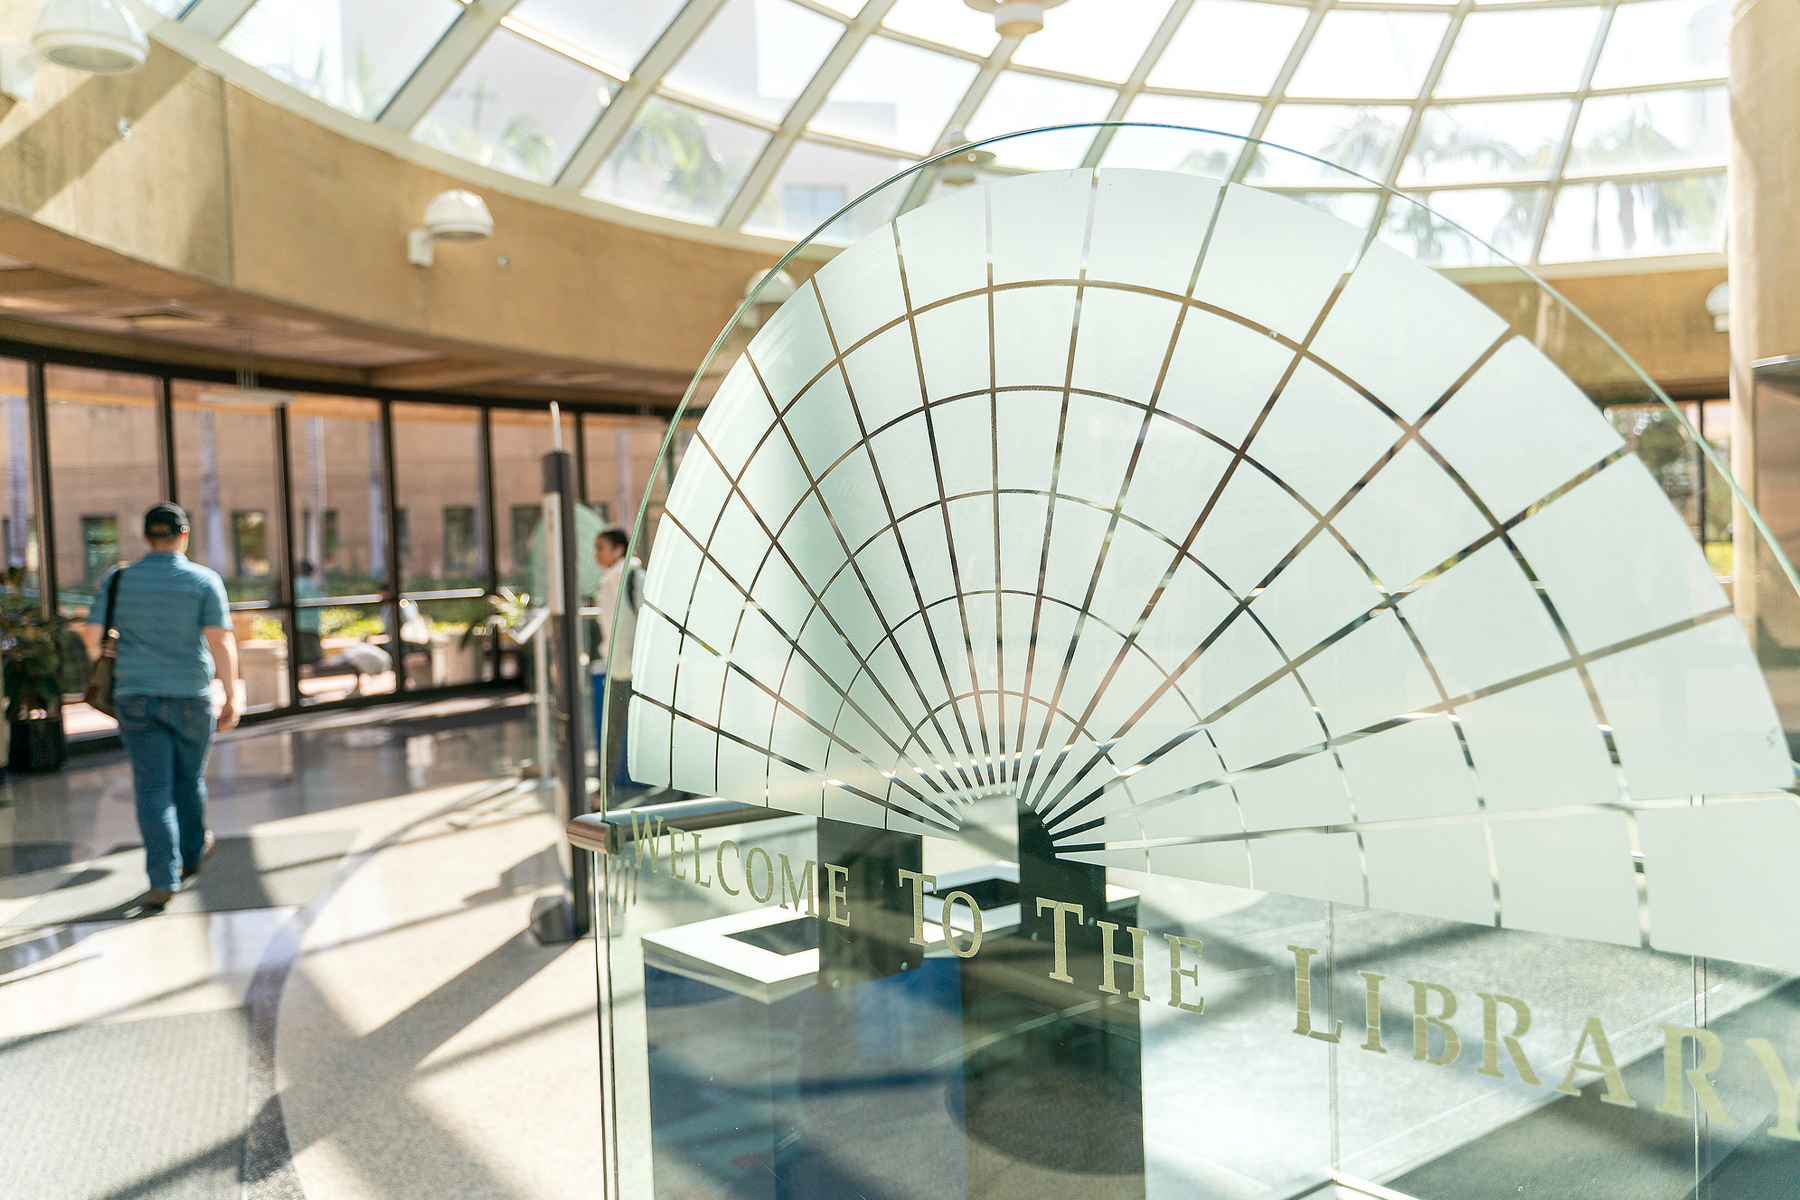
(263, 871)
(151, 1110)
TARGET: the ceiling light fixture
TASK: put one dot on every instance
(452, 216)
(959, 170)
(97, 37)
(1718, 307)
(1014, 18)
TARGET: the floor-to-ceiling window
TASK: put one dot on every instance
(227, 478)
(105, 470)
(340, 547)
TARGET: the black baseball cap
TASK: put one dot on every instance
(165, 520)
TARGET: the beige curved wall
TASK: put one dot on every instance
(216, 188)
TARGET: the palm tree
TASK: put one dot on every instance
(670, 143)
(1674, 206)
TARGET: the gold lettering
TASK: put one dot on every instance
(790, 887)
(1372, 1011)
(837, 892)
(1491, 1038)
(761, 897)
(676, 870)
(1109, 960)
(719, 864)
(653, 828)
(1060, 909)
(920, 884)
(1787, 1095)
(1177, 972)
(1608, 1066)
(1303, 956)
(1711, 1051)
(705, 883)
(949, 928)
(1424, 1023)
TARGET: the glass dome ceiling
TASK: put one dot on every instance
(1558, 131)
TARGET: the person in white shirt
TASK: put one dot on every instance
(611, 662)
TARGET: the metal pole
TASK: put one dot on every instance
(165, 438)
(568, 672)
(395, 561)
(38, 406)
(288, 614)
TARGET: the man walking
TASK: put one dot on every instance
(174, 628)
(611, 665)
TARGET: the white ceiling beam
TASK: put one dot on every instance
(802, 110)
(442, 65)
(616, 118)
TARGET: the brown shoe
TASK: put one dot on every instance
(206, 851)
(155, 900)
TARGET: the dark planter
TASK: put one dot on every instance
(38, 744)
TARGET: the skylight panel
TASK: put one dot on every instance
(617, 31)
(1359, 55)
(678, 161)
(895, 94)
(1229, 46)
(352, 54)
(756, 56)
(1502, 53)
(1103, 41)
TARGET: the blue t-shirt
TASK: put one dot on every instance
(165, 602)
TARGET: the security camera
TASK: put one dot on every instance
(452, 216)
(97, 37)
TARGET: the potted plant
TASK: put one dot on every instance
(43, 660)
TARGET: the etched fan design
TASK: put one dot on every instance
(1239, 550)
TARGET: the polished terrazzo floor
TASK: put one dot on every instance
(348, 1006)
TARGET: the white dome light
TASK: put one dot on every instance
(1014, 18)
(458, 216)
(452, 216)
(96, 36)
(958, 170)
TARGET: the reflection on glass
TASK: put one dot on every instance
(1651, 129)
(1665, 41)
(340, 547)
(755, 56)
(1369, 54)
(679, 161)
(817, 180)
(1450, 229)
(1179, 149)
(340, 522)
(170, 8)
(353, 56)
(18, 512)
(621, 460)
(1517, 52)
(1466, 143)
(225, 478)
(1229, 46)
(1358, 208)
(948, 24)
(618, 31)
(1359, 138)
(1685, 214)
(103, 473)
(1018, 101)
(894, 94)
(437, 484)
(1101, 40)
(521, 439)
(517, 107)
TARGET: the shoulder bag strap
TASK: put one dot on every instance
(109, 640)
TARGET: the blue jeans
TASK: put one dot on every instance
(168, 738)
